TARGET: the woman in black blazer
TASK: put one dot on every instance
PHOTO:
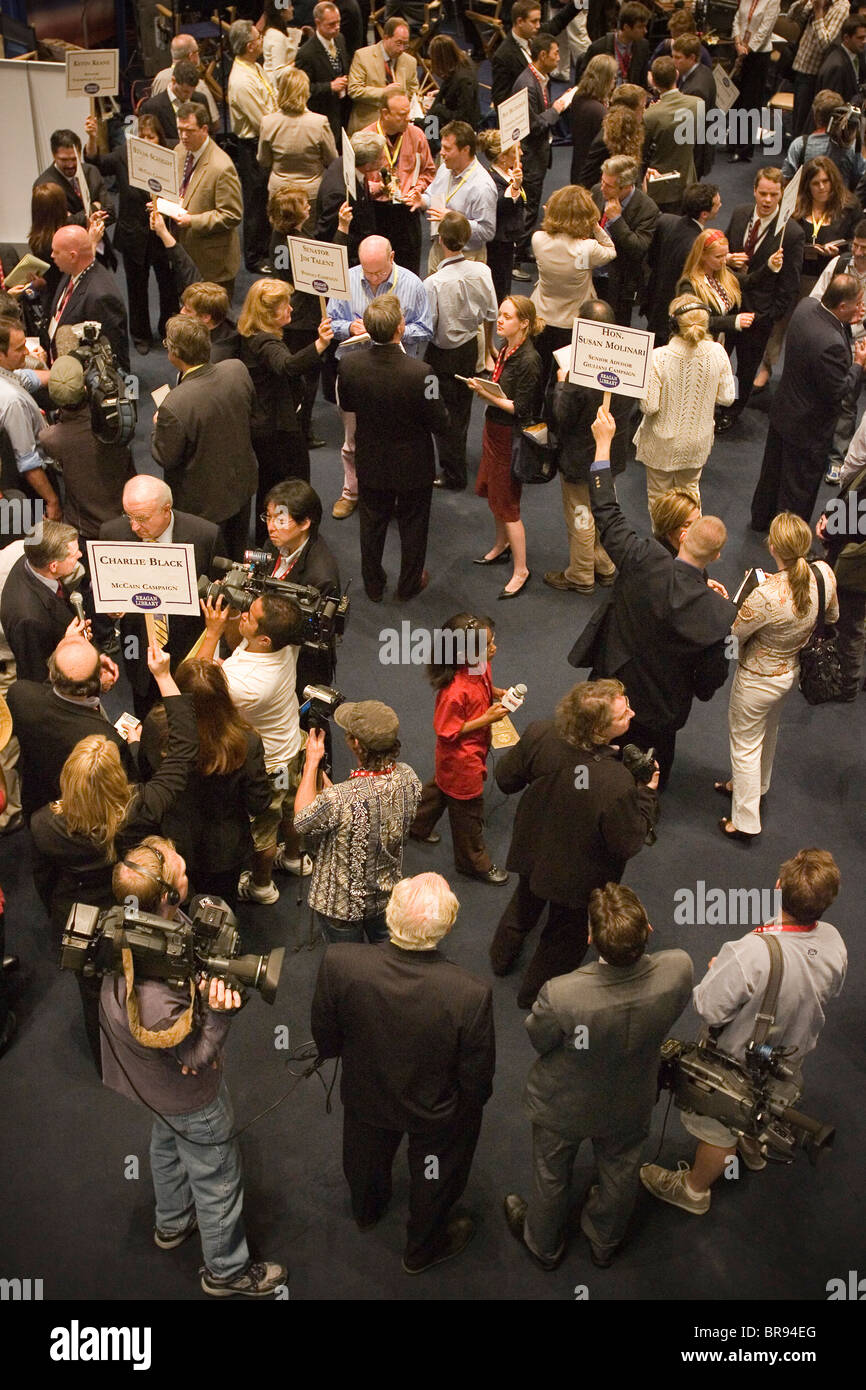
(140, 247)
(279, 443)
(589, 106)
(457, 98)
(507, 174)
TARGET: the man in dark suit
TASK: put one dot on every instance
(201, 434)
(181, 88)
(293, 512)
(582, 816)
(86, 291)
(629, 216)
(433, 1086)
(672, 241)
(598, 1031)
(695, 79)
(818, 373)
(149, 515)
(627, 44)
(326, 61)
(664, 632)
(538, 145)
(66, 152)
(512, 54)
(35, 610)
(369, 148)
(395, 467)
(842, 68)
(50, 719)
(769, 273)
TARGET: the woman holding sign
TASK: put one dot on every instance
(517, 374)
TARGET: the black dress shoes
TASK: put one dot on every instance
(492, 875)
(725, 422)
(512, 593)
(501, 559)
(515, 1215)
(458, 1233)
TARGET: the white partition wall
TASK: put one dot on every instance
(33, 103)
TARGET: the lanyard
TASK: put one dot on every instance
(785, 926)
(368, 772)
(504, 354)
(263, 81)
(747, 33)
(542, 84)
(392, 290)
(450, 195)
(817, 224)
(392, 159)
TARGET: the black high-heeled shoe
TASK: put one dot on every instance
(512, 593)
(501, 559)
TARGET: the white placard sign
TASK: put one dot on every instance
(320, 267)
(159, 580)
(514, 122)
(607, 357)
(350, 178)
(788, 203)
(152, 167)
(92, 72)
(726, 92)
(83, 185)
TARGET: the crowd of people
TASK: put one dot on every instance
(224, 776)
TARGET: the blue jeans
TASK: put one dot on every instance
(336, 930)
(206, 1181)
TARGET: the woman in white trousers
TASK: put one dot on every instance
(774, 622)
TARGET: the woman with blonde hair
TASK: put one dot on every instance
(706, 277)
(280, 446)
(688, 378)
(518, 373)
(295, 144)
(774, 623)
(568, 246)
(506, 171)
(589, 106)
(622, 132)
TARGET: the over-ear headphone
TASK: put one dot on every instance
(171, 894)
(674, 315)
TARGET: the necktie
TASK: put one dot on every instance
(188, 166)
(752, 239)
(61, 592)
(160, 622)
(389, 71)
(67, 295)
(76, 188)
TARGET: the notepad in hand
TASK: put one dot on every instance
(168, 208)
(159, 395)
(25, 270)
(491, 387)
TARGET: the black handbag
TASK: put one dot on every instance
(820, 668)
(533, 453)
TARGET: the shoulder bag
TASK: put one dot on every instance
(820, 668)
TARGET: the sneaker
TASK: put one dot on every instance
(458, 1234)
(834, 473)
(256, 1281)
(670, 1186)
(555, 579)
(300, 867)
(343, 507)
(250, 892)
(520, 274)
(751, 1153)
(170, 1240)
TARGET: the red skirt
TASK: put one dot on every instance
(495, 480)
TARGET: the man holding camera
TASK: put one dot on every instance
(730, 1000)
(163, 1046)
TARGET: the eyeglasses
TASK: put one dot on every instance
(280, 520)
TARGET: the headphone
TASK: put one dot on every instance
(674, 315)
(171, 894)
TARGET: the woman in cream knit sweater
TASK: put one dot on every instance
(688, 378)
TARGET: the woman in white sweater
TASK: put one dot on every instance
(688, 378)
(568, 247)
(279, 42)
(774, 623)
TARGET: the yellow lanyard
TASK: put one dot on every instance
(392, 290)
(268, 88)
(392, 159)
(450, 195)
(817, 224)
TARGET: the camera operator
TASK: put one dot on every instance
(730, 997)
(360, 825)
(261, 675)
(23, 463)
(293, 515)
(195, 1163)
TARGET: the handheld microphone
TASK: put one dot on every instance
(78, 604)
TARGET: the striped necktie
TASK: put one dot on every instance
(160, 621)
(188, 166)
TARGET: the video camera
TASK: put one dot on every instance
(754, 1098)
(163, 950)
(113, 413)
(324, 617)
(844, 123)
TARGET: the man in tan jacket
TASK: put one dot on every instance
(378, 67)
(210, 197)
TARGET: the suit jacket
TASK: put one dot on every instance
(96, 296)
(330, 198)
(837, 73)
(817, 375)
(569, 840)
(381, 384)
(663, 632)
(161, 107)
(213, 200)
(74, 202)
(662, 151)
(202, 441)
(606, 1088)
(537, 146)
(366, 996)
(132, 236)
(182, 631)
(507, 63)
(317, 568)
(700, 82)
(34, 620)
(368, 80)
(640, 57)
(765, 293)
(296, 149)
(672, 241)
(632, 235)
(313, 60)
(47, 728)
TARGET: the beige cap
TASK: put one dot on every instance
(66, 382)
(373, 724)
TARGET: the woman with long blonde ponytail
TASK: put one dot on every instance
(773, 624)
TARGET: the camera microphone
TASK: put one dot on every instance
(222, 565)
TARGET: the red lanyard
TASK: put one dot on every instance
(786, 926)
(541, 82)
(368, 772)
(504, 354)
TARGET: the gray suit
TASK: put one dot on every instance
(598, 1030)
(674, 112)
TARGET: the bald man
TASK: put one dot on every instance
(87, 292)
(50, 719)
(149, 516)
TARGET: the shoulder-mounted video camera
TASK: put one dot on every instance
(324, 616)
(113, 413)
(176, 952)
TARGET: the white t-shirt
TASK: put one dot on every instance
(262, 686)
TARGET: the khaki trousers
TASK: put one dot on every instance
(659, 480)
(586, 554)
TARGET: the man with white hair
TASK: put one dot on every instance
(184, 47)
(250, 97)
(432, 1087)
(149, 517)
